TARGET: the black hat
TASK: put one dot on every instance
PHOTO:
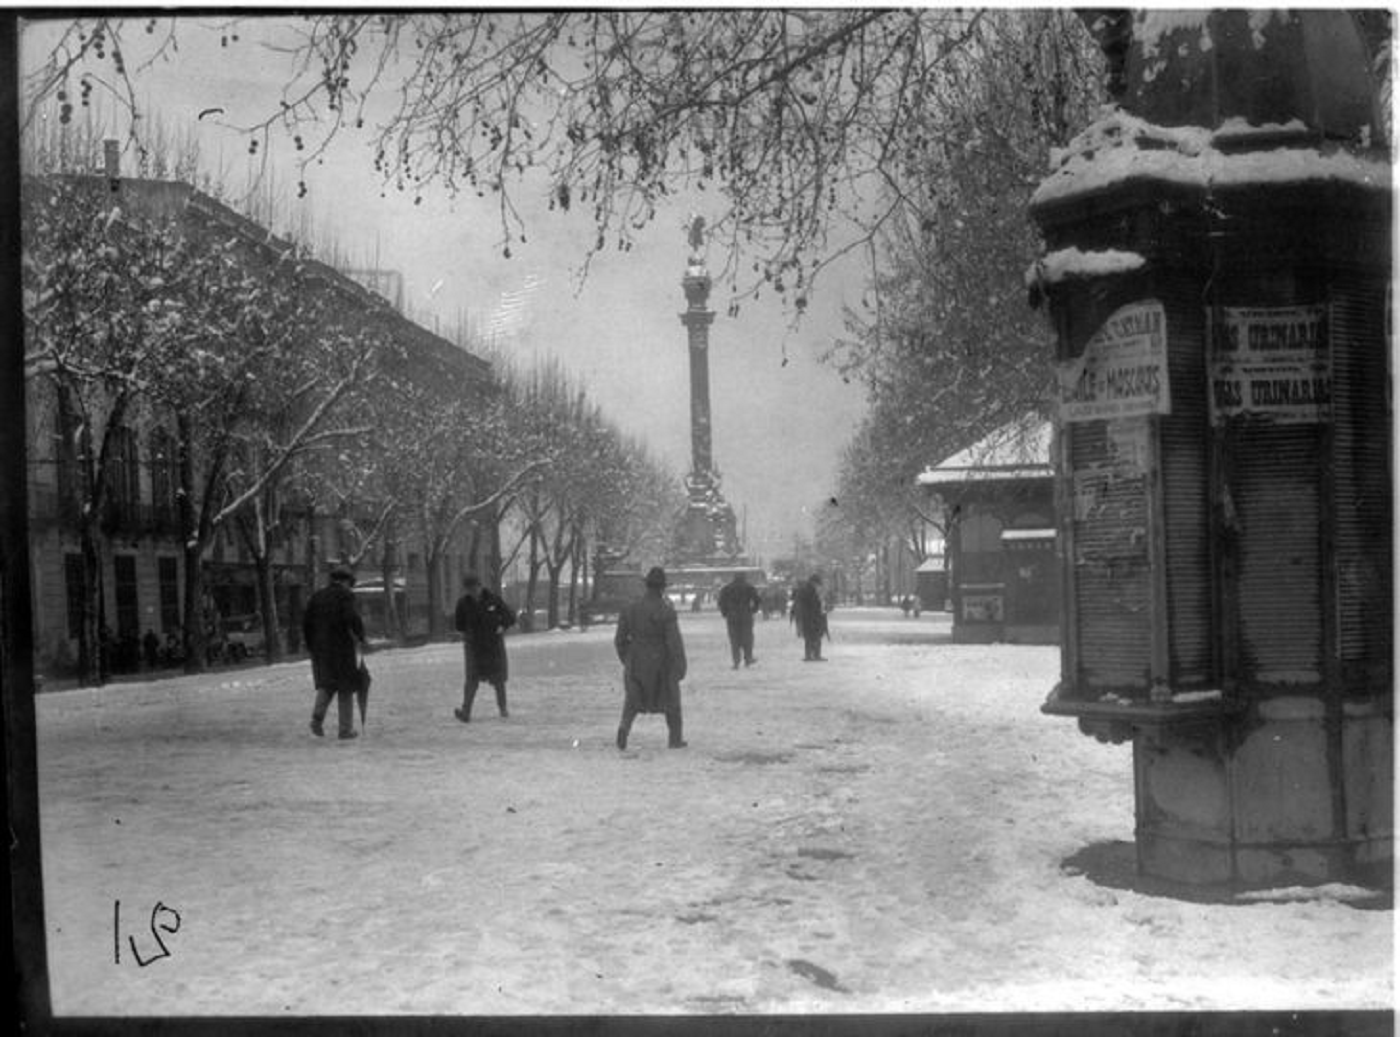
(340, 574)
(656, 577)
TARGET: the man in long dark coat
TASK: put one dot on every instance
(809, 615)
(483, 617)
(649, 646)
(335, 636)
(738, 601)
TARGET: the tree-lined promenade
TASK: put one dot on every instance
(185, 365)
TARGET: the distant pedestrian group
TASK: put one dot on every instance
(647, 642)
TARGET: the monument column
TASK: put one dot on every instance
(697, 320)
(707, 534)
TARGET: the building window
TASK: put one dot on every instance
(124, 484)
(69, 445)
(168, 570)
(128, 612)
(981, 547)
(75, 591)
(163, 482)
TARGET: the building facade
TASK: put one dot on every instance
(141, 556)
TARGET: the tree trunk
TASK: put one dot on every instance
(196, 643)
(532, 581)
(551, 604)
(94, 650)
(577, 557)
(434, 567)
(193, 527)
(257, 539)
(267, 604)
(393, 628)
(494, 563)
(579, 586)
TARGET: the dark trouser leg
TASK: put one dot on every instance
(318, 712)
(345, 704)
(624, 727)
(500, 687)
(468, 697)
(673, 727)
(735, 645)
(746, 644)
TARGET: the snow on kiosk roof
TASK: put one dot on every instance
(1236, 99)
(1017, 450)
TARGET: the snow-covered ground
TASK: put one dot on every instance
(896, 830)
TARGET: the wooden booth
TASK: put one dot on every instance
(998, 497)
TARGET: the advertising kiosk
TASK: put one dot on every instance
(1218, 273)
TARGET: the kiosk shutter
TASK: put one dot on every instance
(1274, 489)
(1110, 565)
(1361, 477)
(1184, 456)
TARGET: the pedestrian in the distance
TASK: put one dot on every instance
(649, 646)
(809, 615)
(150, 646)
(335, 637)
(738, 601)
(483, 617)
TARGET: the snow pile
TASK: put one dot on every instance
(1120, 146)
(1335, 892)
(1065, 263)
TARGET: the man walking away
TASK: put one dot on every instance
(738, 602)
(809, 615)
(483, 617)
(335, 637)
(648, 644)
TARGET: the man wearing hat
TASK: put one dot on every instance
(334, 635)
(738, 601)
(483, 618)
(648, 643)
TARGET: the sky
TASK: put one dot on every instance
(780, 416)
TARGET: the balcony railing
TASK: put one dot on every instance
(48, 509)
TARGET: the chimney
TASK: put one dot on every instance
(111, 157)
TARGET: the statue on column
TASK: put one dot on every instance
(695, 234)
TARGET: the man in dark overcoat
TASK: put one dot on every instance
(809, 615)
(649, 646)
(483, 617)
(738, 601)
(335, 636)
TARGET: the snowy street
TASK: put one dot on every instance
(898, 829)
